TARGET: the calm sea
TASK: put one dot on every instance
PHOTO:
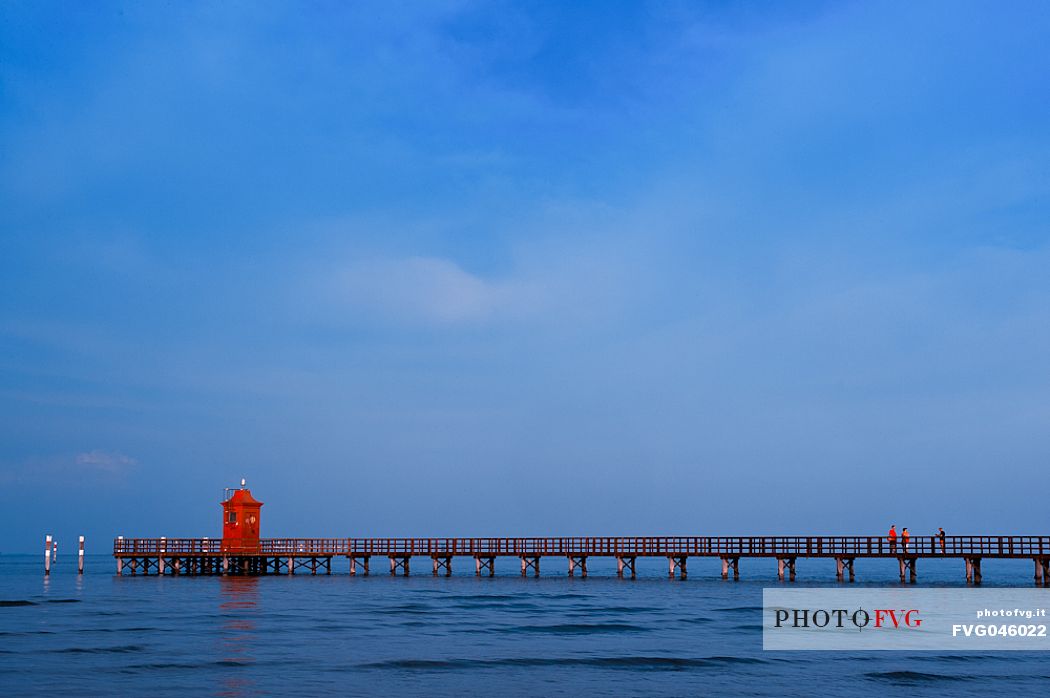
(378, 635)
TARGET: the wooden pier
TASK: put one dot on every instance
(203, 556)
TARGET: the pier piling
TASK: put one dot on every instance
(842, 564)
(625, 562)
(400, 562)
(973, 570)
(442, 563)
(907, 568)
(530, 562)
(364, 564)
(786, 562)
(730, 562)
(488, 562)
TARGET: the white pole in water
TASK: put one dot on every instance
(80, 557)
(47, 555)
(54, 559)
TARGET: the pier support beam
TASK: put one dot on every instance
(728, 562)
(1042, 571)
(353, 564)
(973, 570)
(907, 566)
(399, 562)
(442, 563)
(624, 562)
(842, 564)
(577, 561)
(676, 563)
(786, 562)
(488, 562)
(530, 562)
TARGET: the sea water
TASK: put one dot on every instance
(434, 636)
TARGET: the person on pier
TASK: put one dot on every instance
(905, 537)
(892, 536)
(940, 538)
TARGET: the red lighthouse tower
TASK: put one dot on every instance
(240, 521)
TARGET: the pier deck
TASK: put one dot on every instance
(287, 555)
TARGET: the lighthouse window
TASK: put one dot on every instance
(233, 517)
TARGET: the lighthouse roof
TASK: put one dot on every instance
(242, 497)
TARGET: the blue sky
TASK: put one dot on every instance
(524, 268)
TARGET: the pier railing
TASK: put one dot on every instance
(645, 546)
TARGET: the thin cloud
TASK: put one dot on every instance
(427, 289)
(105, 461)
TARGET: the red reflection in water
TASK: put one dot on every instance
(237, 610)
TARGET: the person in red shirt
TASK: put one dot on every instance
(892, 535)
(905, 537)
